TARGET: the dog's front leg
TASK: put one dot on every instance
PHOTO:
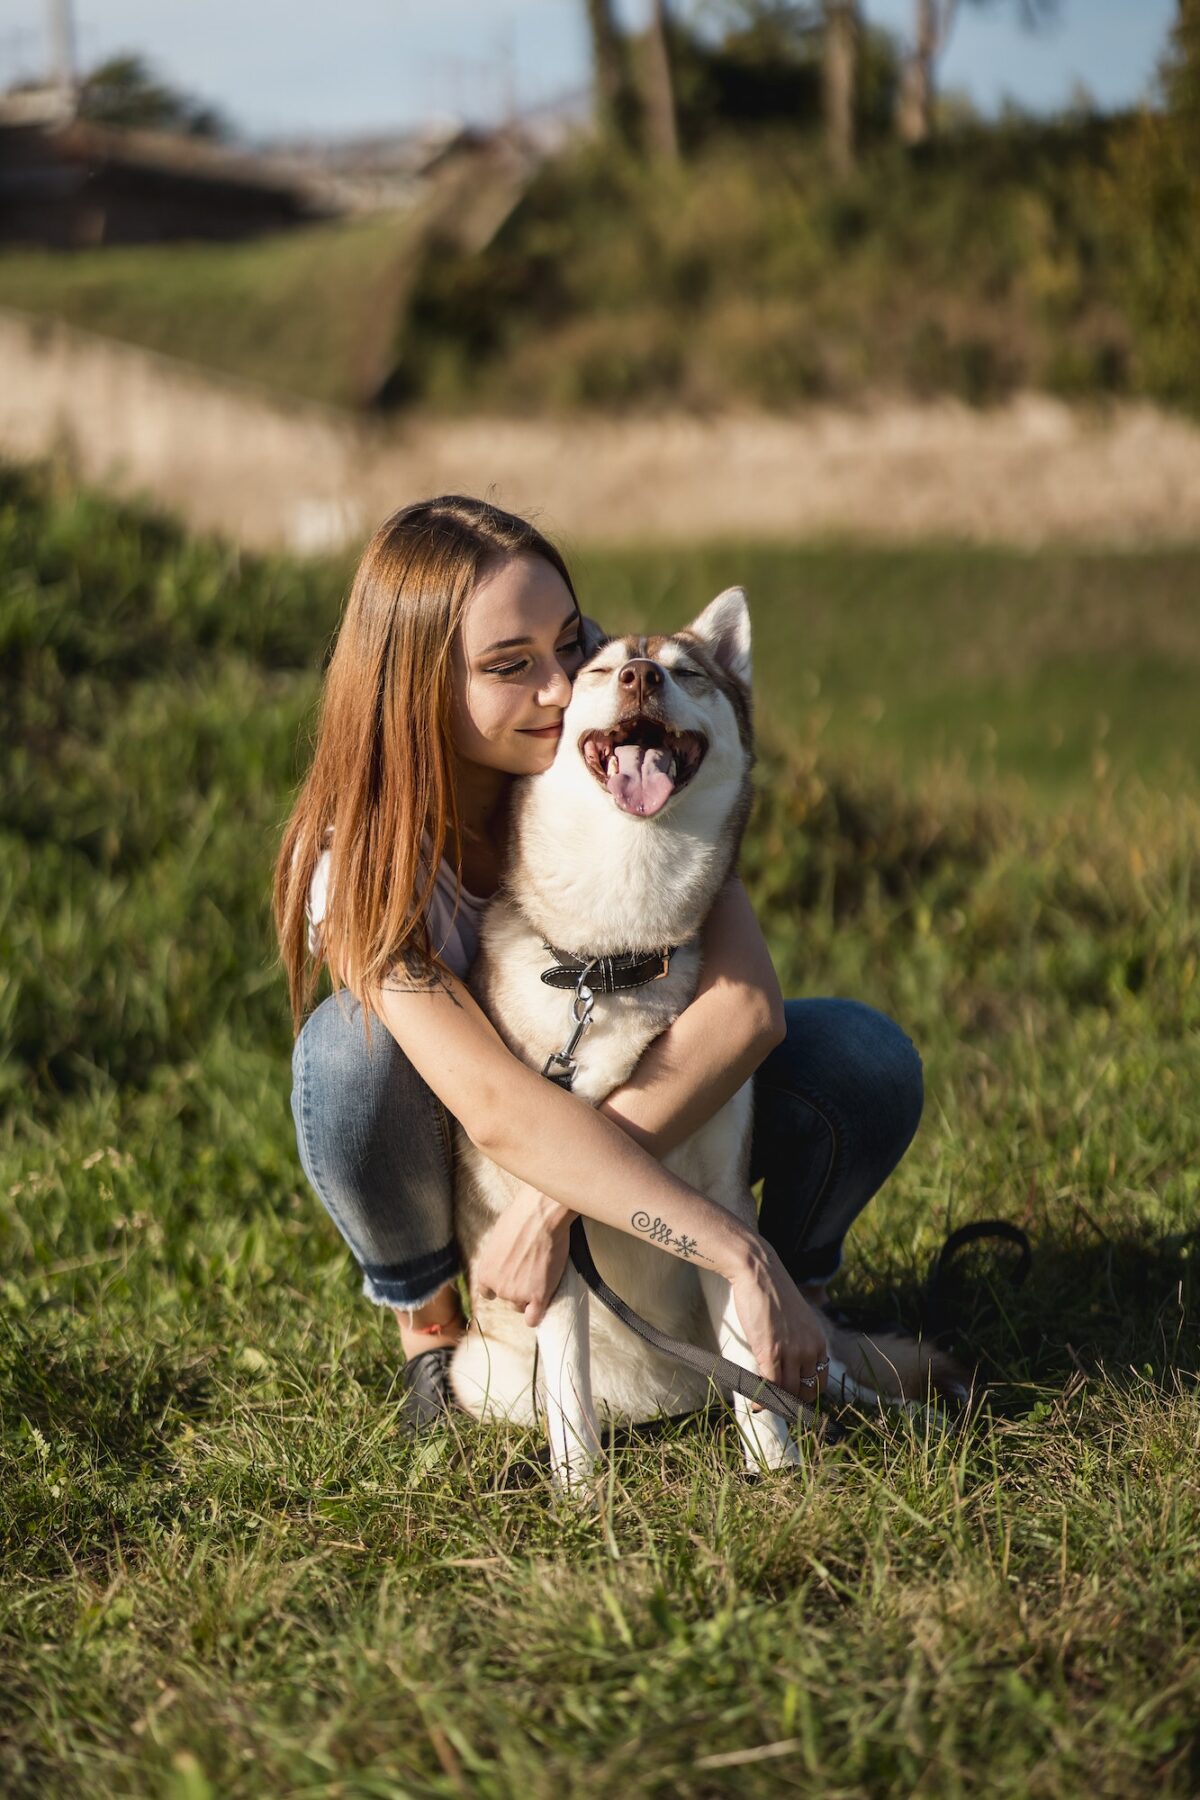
(564, 1350)
(766, 1439)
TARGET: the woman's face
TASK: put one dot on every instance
(518, 648)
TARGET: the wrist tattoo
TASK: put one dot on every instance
(659, 1232)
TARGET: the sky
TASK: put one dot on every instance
(278, 68)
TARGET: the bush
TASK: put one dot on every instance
(981, 265)
(1154, 202)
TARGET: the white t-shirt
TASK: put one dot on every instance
(454, 914)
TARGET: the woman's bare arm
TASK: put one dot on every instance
(735, 1019)
(587, 1164)
(538, 1132)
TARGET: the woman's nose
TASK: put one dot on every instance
(556, 690)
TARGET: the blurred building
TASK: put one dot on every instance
(67, 183)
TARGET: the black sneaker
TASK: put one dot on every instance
(425, 1389)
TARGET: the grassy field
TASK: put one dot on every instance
(226, 1574)
(300, 313)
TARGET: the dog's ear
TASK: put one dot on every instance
(724, 629)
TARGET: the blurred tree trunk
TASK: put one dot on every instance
(918, 87)
(662, 131)
(616, 109)
(840, 81)
(1182, 81)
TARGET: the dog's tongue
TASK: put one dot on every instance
(640, 782)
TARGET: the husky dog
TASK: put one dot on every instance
(621, 847)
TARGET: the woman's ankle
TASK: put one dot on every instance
(436, 1324)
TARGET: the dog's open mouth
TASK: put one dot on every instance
(642, 762)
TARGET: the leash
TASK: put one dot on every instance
(612, 975)
(767, 1394)
(616, 974)
(937, 1319)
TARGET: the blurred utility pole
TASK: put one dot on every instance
(840, 81)
(662, 131)
(62, 45)
(616, 106)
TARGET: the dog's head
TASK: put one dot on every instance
(652, 717)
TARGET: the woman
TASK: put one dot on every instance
(452, 669)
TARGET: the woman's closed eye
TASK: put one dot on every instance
(507, 670)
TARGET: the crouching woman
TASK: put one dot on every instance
(452, 668)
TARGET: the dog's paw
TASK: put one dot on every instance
(767, 1443)
(578, 1482)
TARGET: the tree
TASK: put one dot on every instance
(931, 32)
(661, 127)
(615, 102)
(840, 81)
(124, 91)
(1158, 223)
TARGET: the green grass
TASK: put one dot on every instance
(301, 313)
(224, 1571)
(1042, 671)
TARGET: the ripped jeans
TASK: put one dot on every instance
(835, 1107)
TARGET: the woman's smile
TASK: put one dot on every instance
(541, 731)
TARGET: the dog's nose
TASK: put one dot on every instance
(640, 677)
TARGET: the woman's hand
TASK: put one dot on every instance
(523, 1256)
(787, 1337)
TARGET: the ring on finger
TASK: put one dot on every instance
(818, 1370)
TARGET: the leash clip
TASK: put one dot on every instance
(560, 1065)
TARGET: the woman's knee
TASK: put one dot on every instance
(347, 1096)
(869, 1069)
(890, 1073)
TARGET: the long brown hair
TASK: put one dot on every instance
(382, 768)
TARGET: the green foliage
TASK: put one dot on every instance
(978, 267)
(1153, 199)
(124, 91)
(1020, 255)
(760, 70)
(226, 1573)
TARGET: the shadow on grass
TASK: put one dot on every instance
(116, 1407)
(1114, 1305)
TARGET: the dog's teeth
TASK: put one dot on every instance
(612, 767)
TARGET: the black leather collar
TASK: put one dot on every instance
(608, 974)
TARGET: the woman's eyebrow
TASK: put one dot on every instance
(515, 643)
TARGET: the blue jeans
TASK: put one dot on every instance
(835, 1107)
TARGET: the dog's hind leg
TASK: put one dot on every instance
(766, 1439)
(564, 1351)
